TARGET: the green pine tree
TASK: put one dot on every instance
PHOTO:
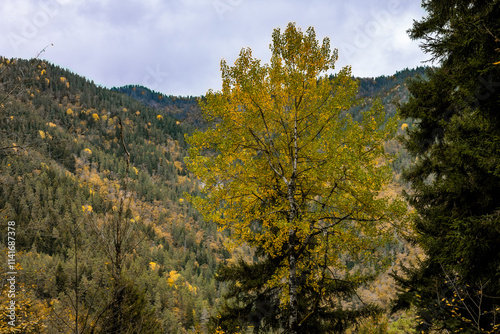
(456, 178)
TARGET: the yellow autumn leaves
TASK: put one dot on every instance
(284, 157)
(87, 208)
(65, 81)
(45, 134)
(173, 278)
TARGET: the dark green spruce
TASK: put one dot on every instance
(455, 181)
(249, 303)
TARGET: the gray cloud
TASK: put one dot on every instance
(175, 47)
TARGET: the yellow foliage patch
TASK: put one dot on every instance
(173, 275)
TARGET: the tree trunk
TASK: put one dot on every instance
(292, 262)
(292, 240)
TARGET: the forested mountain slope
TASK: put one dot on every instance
(182, 108)
(87, 216)
(63, 175)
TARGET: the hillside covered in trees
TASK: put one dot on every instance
(65, 181)
(95, 182)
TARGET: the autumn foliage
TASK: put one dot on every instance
(287, 170)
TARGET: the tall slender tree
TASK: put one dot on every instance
(128, 310)
(456, 178)
(288, 171)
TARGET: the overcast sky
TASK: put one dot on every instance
(175, 46)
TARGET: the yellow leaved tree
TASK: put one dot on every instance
(287, 170)
(20, 311)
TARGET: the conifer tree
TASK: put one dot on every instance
(456, 178)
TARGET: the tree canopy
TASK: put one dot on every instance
(287, 170)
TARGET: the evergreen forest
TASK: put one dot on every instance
(126, 210)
